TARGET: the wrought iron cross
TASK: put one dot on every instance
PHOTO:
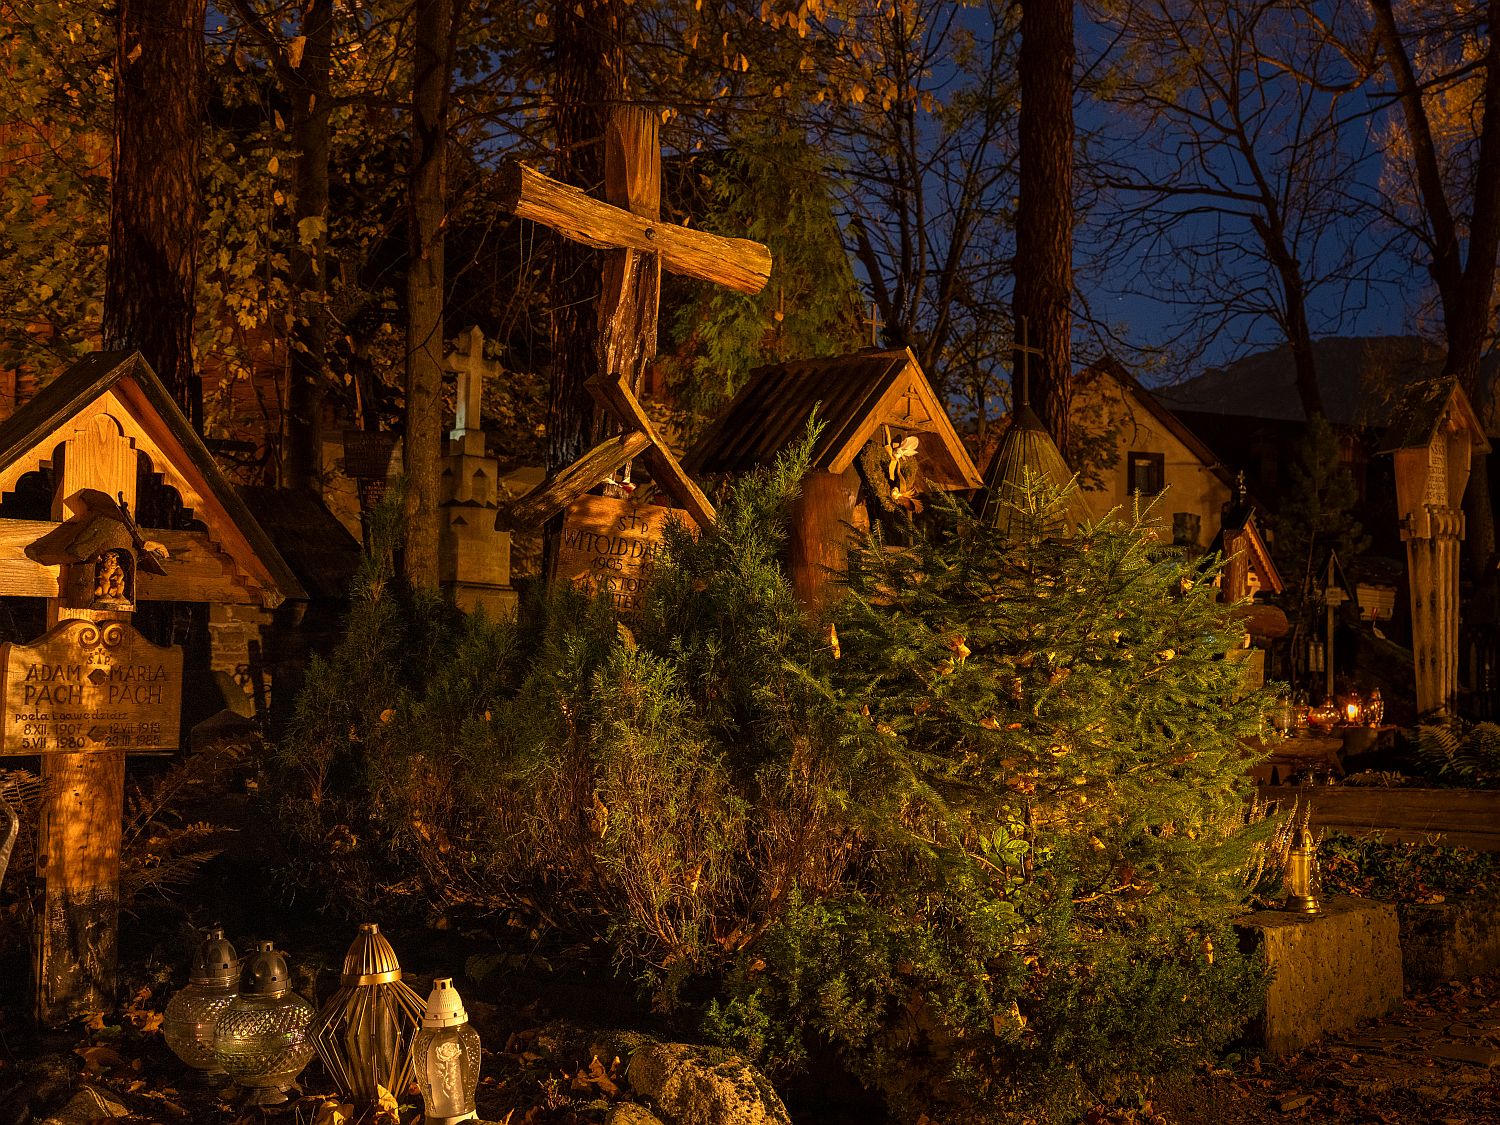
(1027, 351)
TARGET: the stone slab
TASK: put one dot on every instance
(1451, 940)
(1330, 971)
(1477, 1054)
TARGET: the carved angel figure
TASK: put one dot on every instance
(109, 578)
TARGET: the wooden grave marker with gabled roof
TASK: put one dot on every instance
(885, 435)
(1433, 436)
(92, 688)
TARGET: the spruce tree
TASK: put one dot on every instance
(1049, 822)
(772, 187)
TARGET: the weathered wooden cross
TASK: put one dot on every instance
(639, 246)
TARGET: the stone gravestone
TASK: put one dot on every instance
(473, 554)
(91, 688)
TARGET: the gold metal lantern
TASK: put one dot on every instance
(365, 1033)
(1302, 876)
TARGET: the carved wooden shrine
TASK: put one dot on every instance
(886, 439)
(92, 688)
(1433, 437)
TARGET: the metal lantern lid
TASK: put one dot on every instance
(370, 959)
(266, 973)
(445, 1007)
(215, 962)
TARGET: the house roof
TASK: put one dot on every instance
(853, 396)
(129, 378)
(1164, 417)
(1361, 379)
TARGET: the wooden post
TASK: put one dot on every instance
(1235, 585)
(820, 523)
(83, 800)
(630, 294)
(78, 859)
(1333, 597)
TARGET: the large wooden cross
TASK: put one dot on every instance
(628, 225)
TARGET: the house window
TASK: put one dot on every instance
(1145, 473)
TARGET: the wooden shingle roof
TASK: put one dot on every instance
(1427, 406)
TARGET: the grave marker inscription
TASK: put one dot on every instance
(610, 545)
(86, 685)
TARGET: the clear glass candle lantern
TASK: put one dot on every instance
(364, 1032)
(193, 1013)
(1302, 882)
(447, 1057)
(1353, 709)
(262, 1038)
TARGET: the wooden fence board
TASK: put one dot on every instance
(1468, 818)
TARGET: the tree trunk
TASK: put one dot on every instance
(156, 202)
(589, 82)
(1465, 284)
(1044, 212)
(303, 462)
(427, 200)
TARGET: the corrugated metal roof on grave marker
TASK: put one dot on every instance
(771, 411)
(130, 377)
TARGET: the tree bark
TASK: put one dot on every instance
(427, 201)
(1044, 212)
(589, 70)
(1465, 282)
(156, 202)
(307, 376)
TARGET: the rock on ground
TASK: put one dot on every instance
(627, 1113)
(691, 1085)
(89, 1105)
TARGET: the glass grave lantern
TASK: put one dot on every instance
(447, 1058)
(262, 1039)
(193, 1012)
(1302, 882)
(364, 1033)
